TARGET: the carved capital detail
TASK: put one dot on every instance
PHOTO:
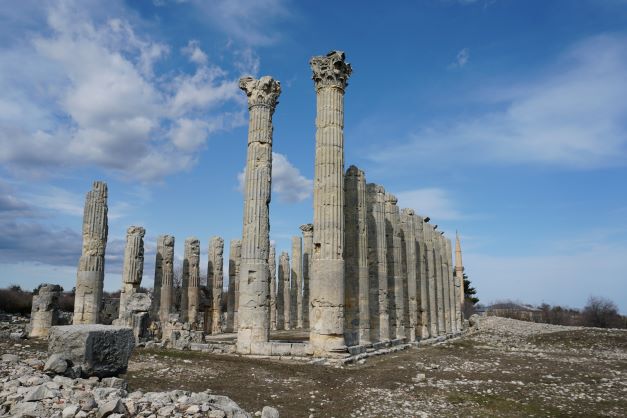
(261, 92)
(331, 70)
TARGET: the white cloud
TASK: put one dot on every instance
(461, 59)
(249, 21)
(573, 116)
(194, 53)
(89, 96)
(432, 202)
(287, 182)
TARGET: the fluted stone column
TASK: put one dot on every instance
(164, 274)
(297, 280)
(445, 286)
(408, 230)
(90, 276)
(133, 269)
(431, 279)
(459, 281)
(272, 267)
(233, 292)
(395, 277)
(45, 309)
(377, 263)
(283, 291)
(254, 307)
(191, 281)
(215, 281)
(451, 286)
(330, 75)
(421, 270)
(356, 280)
(307, 253)
(439, 290)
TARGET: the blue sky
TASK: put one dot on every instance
(505, 120)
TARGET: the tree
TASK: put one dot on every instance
(601, 312)
(469, 291)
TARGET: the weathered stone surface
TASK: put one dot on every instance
(269, 412)
(235, 251)
(90, 276)
(307, 230)
(190, 296)
(377, 263)
(45, 309)
(356, 281)
(254, 292)
(430, 279)
(394, 258)
(215, 280)
(99, 350)
(164, 277)
(408, 231)
(56, 364)
(421, 270)
(273, 289)
(459, 282)
(330, 75)
(296, 312)
(284, 277)
(133, 265)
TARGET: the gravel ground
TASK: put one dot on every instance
(501, 367)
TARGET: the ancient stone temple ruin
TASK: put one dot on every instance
(364, 275)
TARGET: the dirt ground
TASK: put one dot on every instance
(506, 368)
(546, 371)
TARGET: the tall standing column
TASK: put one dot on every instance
(254, 308)
(90, 275)
(330, 75)
(272, 267)
(191, 281)
(413, 290)
(445, 286)
(133, 268)
(451, 286)
(215, 281)
(235, 251)
(307, 252)
(421, 270)
(430, 276)
(439, 292)
(283, 292)
(164, 270)
(297, 279)
(395, 277)
(356, 280)
(459, 281)
(377, 264)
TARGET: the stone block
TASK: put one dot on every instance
(99, 350)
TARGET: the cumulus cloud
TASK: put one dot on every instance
(89, 96)
(433, 202)
(573, 116)
(287, 182)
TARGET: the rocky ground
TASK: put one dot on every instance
(502, 367)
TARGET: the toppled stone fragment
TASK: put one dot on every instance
(99, 350)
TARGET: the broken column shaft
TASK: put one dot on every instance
(90, 276)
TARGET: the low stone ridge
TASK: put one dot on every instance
(91, 350)
(27, 392)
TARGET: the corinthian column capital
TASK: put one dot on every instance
(261, 92)
(331, 70)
